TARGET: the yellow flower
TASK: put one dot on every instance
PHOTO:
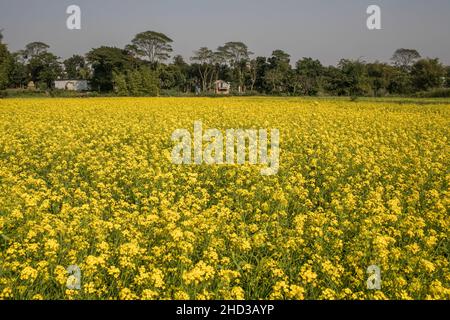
(307, 274)
(328, 294)
(28, 273)
(6, 293)
(126, 294)
(237, 293)
(428, 265)
(200, 273)
(91, 183)
(149, 294)
(61, 275)
(181, 295)
(157, 277)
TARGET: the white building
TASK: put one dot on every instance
(72, 85)
(222, 87)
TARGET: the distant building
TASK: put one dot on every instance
(72, 85)
(222, 87)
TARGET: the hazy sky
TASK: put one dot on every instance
(323, 29)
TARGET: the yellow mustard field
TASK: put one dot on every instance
(89, 183)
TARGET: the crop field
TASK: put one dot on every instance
(89, 185)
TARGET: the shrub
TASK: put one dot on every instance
(435, 93)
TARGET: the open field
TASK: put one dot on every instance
(90, 182)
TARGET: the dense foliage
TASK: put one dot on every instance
(120, 71)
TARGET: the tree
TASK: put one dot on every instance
(167, 76)
(307, 74)
(400, 82)
(427, 74)
(153, 46)
(45, 68)
(178, 61)
(253, 73)
(173, 76)
(275, 80)
(278, 73)
(105, 61)
(19, 75)
(236, 54)
(333, 81)
(1, 35)
(220, 68)
(180, 70)
(405, 58)
(75, 67)
(120, 84)
(447, 77)
(6, 63)
(141, 81)
(134, 82)
(35, 48)
(280, 59)
(204, 62)
(150, 81)
(261, 68)
(353, 80)
(380, 75)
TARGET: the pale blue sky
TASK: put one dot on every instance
(323, 29)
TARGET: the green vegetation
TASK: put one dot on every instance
(143, 68)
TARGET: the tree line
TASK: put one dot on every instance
(146, 67)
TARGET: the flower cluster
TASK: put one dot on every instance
(91, 183)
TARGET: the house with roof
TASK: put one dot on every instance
(222, 87)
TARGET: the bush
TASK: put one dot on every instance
(135, 85)
(120, 84)
(42, 86)
(19, 93)
(57, 93)
(139, 82)
(435, 93)
(150, 82)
